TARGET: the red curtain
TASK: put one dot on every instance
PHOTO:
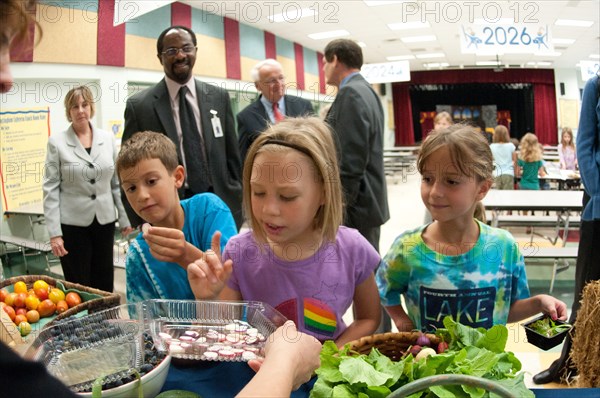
(403, 119)
(545, 119)
(541, 79)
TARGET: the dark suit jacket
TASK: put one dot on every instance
(356, 117)
(253, 120)
(151, 110)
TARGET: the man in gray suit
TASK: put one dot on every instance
(160, 108)
(270, 82)
(356, 117)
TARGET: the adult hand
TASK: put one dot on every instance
(292, 351)
(58, 246)
(208, 274)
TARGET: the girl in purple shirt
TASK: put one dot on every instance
(296, 257)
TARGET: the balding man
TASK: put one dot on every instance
(271, 106)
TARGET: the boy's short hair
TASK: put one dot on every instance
(147, 145)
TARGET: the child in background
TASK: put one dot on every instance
(442, 120)
(505, 158)
(530, 163)
(157, 259)
(457, 265)
(297, 257)
(566, 150)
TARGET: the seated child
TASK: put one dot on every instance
(157, 259)
(297, 257)
(457, 265)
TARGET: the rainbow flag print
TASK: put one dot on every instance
(318, 317)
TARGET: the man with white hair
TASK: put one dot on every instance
(270, 107)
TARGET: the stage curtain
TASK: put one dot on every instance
(404, 134)
(545, 111)
(544, 105)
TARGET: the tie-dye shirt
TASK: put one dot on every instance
(314, 292)
(477, 287)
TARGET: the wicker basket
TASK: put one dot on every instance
(106, 299)
(392, 345)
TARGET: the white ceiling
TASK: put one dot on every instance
(369, 24)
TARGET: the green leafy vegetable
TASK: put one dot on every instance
(547, 327)
(475, 352)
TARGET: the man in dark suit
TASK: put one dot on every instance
(270, 82)
(356, 117)
(210, 116)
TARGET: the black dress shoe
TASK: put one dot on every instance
(547, 376)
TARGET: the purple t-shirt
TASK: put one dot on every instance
(314, 292)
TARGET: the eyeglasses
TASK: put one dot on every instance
(173, 51)
(272, 81)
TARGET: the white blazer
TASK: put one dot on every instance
(79, 186)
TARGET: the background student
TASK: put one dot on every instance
(505, 158)
(530, 165)
(457, 265)
(81, 195)
(297, 257)
(178, 231)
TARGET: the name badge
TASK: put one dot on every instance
(216, 124)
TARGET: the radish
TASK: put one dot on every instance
(423, 340)
(415, 349)
(442, 347)
(424, 353)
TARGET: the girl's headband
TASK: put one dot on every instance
(287, 144)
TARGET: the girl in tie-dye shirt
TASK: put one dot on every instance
(457, 265)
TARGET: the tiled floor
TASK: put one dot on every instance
(407, 211)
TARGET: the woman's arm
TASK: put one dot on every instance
(291, 357)
(367, 312)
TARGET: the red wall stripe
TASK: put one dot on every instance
(181, 14)
(270, 45)
(22, 51)
(299, 56)
(111, 39)
(321, 74)
(232, 48)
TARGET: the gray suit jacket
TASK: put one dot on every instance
(151, 110)
(356, 117)
(79, 186)
(253, 120)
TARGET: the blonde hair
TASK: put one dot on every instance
(15, 18)
(313, 138)
(501, 134)
(73, 96)
(469, 151)
(569, 132)
(443, 116)
(147, 145)
(530, 148)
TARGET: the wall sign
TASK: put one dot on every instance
(493, 38)
(386, 72)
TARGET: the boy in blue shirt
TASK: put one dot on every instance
(177, 232)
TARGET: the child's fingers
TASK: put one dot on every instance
(220, 270)
(215, 243)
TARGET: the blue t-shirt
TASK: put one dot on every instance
(476, 288)
(503, 161)
(148, 278)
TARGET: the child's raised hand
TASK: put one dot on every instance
(169, 245)
(208, 274)
(553, 307)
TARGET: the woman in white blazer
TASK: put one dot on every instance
(81, 195)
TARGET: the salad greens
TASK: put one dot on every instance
(547, 327)
(475, 352)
